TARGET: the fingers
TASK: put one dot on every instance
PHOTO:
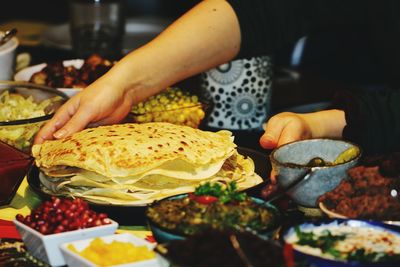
(273, 176)
(59, 119)
(77, 122)
(290, 133)
(70, 118)
(273, 130)
(284, 128)
(45, 133)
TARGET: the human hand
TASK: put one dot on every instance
(287, 127)
(284, 128)
(281, 129)
(99, 104)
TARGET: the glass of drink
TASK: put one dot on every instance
(97, 26)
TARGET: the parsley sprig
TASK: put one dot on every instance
(224, 194)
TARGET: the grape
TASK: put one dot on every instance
(172, 105)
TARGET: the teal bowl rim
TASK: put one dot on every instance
(276, 225)
(299, 166)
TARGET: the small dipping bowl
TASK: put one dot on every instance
(290, 162)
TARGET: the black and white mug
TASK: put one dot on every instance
(240, 91)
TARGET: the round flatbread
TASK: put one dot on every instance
(132, 149)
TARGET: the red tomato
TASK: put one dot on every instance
(206, 200)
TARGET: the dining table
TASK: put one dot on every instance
(293, 90)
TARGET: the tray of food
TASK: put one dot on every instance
(212, 206)
(68, 76)
(366, 194)
(132, 165)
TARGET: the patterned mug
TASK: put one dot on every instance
(240, 91)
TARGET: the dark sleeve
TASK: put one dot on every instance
(372, 118)
(268, 25)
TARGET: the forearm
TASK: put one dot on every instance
(206, 36)
(327, 123)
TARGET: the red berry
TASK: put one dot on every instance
(20, 217)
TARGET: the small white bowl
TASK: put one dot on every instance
(7, 59)
(75, 260)
(46, 247)
(26, 74)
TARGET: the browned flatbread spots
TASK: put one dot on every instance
(133, 148)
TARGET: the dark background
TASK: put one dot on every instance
(56, 11)
(328, 59)
(326, 54)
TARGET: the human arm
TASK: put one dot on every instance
(206, 36)
(368, 118)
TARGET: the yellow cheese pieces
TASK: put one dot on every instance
(114, 253)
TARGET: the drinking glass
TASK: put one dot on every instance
(97, 26)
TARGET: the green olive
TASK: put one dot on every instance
(317, 162)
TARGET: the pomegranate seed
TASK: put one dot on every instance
(61, 214)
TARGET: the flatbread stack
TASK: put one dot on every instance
(135, 164)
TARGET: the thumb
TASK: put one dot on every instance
(273, 130)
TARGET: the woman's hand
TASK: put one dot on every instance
(99, 104)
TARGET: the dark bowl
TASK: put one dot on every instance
(164, 235)
(222, 248)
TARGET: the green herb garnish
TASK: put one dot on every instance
(224, 194)
(326, 241)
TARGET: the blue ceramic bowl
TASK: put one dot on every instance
(316, 261)
(289, 163)
(164, 235)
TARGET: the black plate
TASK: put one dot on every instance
(128, 215)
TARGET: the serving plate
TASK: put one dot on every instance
(334, 215)
(321, 261)
(135, 214)
(25, 74)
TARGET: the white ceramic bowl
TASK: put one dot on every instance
(46, 247)
(75, 260)
(26, 74)
(7, 59)
(314, 257)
